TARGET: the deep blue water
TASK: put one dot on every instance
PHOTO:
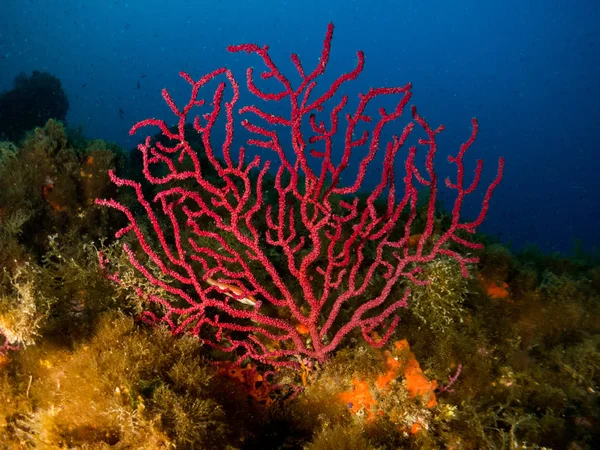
(528, 70)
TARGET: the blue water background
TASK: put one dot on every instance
(528, 70)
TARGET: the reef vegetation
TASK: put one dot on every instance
(508, 358)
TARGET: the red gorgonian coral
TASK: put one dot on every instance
(287, 272)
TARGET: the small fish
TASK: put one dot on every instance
(232, 289)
